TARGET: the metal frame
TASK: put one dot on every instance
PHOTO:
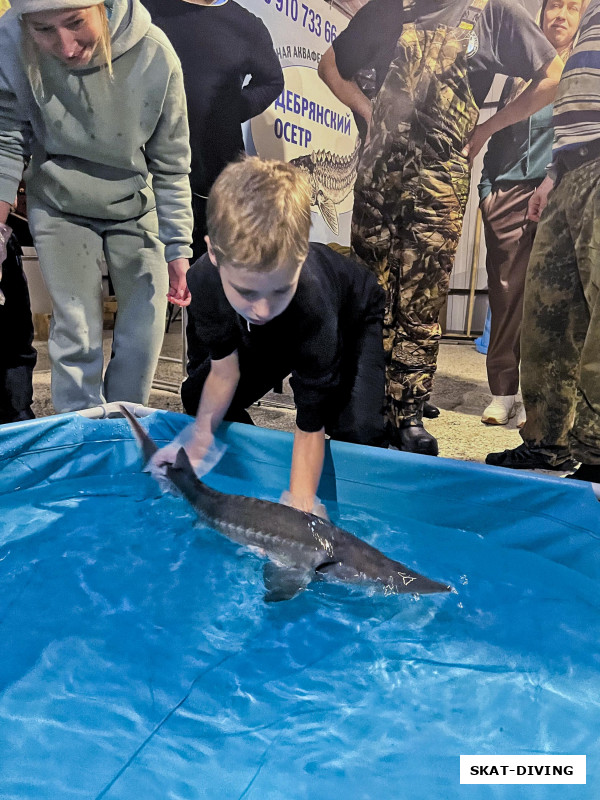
(168, 386)
(472, 283)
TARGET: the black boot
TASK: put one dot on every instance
(587, 472)
(530, 457)
(413, 438)
(430, 411)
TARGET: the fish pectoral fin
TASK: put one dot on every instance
(283, 583)
(337, 570)
(328, 211)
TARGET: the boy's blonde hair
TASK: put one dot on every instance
(32, 57)
(258, 215)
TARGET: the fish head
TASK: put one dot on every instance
(307, 166)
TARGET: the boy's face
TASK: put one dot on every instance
(258, 297)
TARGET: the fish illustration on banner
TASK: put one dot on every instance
(331, 179)
(310, 128)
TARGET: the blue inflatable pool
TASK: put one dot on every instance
(139, 661)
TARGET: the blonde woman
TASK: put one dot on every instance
(92, 95)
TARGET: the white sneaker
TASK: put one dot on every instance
(519, 411)
(500, 410)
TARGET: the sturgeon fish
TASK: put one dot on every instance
(301, 547)
(331, 178)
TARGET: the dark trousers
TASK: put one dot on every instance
(355, 408)
(199, 231)
(509, 238)
(17, 356)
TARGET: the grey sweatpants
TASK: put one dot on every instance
(70, 251)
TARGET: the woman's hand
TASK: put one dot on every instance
(178, 293)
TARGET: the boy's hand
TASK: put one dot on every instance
(178, 293)
(201, 449)
(163, 458)
(311, 504)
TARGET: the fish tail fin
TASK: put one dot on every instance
(328, 211)
(147, 446)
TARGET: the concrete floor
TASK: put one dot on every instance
(461, 391)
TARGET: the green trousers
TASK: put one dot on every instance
(560, 339)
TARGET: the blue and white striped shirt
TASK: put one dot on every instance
(576, 117)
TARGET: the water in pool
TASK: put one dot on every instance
(139, 661)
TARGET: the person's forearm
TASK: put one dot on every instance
(307, 464)
(256, 99)
(5, 209)
(537, 95)
(168, 156)
(217, 394)
(265, 85)
(345, 91)
(541, 92)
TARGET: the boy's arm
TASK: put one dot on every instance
(217, 394)
(307, 464)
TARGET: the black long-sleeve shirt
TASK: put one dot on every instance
(219, 45)
(336, 301)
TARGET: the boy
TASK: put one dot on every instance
(265, 303)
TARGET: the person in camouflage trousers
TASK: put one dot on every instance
(437, 61)
(560, 336)
(560, 340)
(409, 202)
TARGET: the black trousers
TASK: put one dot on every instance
(200, 230)
(355, 409)
(17, 356)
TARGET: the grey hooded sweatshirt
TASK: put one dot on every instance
(101, 147)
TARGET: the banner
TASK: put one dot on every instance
(307, 124)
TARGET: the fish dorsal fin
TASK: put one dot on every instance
(283, 583)
(182, 461)
(328, 212)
